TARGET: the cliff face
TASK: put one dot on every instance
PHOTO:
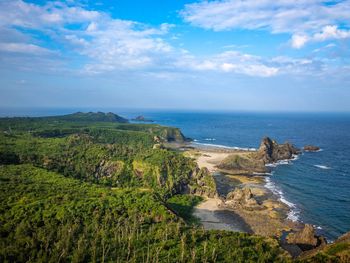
(202, 183)
(172, 135)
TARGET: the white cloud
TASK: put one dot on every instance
(303, 18)
(331, 32)
(327, 33)
(24, 48)
(298, 41)
(230, 62)
(105, 44)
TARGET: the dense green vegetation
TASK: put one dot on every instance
(338, 252)
(183, 205)
(88, 188)
(49, 218)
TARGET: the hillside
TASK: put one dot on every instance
(83, 190)
(102, 192)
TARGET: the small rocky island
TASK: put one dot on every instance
(311, 148)
(142, 118)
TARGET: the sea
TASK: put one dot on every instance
(316, 185)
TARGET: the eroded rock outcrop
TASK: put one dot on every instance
(242, 198)
(306, 238)
(108, 169)
(202, 183)
(270, 151)
(243, 164)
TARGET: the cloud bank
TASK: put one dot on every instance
(305, 20)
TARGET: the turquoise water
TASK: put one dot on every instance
(316, 185)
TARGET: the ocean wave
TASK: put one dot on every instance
(294, 212)
(319, 150)
(322, 166)
(210, 139)
(283, 162)
(223, 146)
(271, 173)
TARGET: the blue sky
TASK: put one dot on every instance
(212, 55)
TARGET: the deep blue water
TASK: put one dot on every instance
(321, 196)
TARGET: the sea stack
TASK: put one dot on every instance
(270, 151)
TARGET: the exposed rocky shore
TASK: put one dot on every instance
(255, 162)
(239, 177)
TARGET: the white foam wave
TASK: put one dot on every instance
(224, 146)
(294, 212)
(320, 150)
(283, 162)
(262, 173)
(322, 166)
(210, 139)
(295, 157)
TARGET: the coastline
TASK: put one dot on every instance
(278, 214)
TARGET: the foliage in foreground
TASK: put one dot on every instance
(46, 217)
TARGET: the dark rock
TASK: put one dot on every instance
(306, 238)
(270, 151)
(142, 118)
(311, 148)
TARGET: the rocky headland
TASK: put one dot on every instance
(269, 152)
(241, 188)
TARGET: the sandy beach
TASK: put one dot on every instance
(214, 218)
(213, 213)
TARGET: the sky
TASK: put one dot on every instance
(252, 55)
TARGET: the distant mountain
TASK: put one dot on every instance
(75, 117)
(93, 117)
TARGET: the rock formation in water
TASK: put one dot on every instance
(311, 148)
(270, 151)
(142, 118)
(306, 238)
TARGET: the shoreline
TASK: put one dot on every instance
(213, 217)
(277, 213)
